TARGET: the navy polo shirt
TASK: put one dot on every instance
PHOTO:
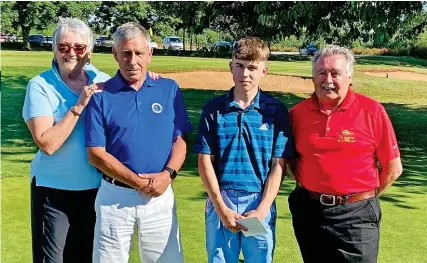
(137, 127)
(244, 141)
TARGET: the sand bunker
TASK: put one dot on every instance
(223, 81)
(404, 75)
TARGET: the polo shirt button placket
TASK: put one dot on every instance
(328, 128)
(241, 122)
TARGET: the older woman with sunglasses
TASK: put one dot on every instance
(63, 183)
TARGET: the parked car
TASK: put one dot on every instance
(2, 37)
(12, 38)
(219, 44)
(104, 41)
(47, 41)
(308, 50)
(36, 39)
(173, 43)
(153, 44)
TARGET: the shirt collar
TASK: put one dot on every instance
(259, 100)
(345, 104)
(120, 83)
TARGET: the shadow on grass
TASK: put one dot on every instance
(410, 127)
(14, 132)
(392, 61)
(200, 196)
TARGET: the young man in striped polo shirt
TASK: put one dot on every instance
(243, 140)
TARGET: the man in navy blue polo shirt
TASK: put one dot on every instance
(243, 140)
(135, 135)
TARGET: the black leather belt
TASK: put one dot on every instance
(115, 182)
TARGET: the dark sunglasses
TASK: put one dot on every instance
(65, 48)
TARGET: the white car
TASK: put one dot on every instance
(104, 41)
(173, 43)
(153, 44)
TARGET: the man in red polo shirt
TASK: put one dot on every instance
(339, 138)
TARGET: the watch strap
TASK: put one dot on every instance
(171, 171)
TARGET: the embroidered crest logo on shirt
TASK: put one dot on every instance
(264, 127)
(346, 136)
(156, 107)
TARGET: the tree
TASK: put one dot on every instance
(237, 18)
(8, 17)
(36, 15)
(338, 22)
(110, 15)
(41, 15)
(80, 9)
(185, 15)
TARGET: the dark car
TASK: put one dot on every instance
(47, 41)
(308, 50)
(36, 39)
(219, 44)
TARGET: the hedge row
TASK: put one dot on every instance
(415, 51)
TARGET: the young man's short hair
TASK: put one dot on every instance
(252, 49)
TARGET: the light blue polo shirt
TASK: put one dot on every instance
(137, 127)
(244, 141)
(68, 168)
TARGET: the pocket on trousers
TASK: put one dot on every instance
(375, 209)
(272, 217)
(291, 200)
(209, 211)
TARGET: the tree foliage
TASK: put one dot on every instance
(338, 22)
(110, 15)
(41, 14)
(379, 22)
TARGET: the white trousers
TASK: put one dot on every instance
(120, 210)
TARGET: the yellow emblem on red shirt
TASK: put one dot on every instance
(346, 136)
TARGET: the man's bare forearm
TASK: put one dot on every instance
(389, 173)
(178, 154)
(112, 167)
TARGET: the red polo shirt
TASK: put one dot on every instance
(338, 152)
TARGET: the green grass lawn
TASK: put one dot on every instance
(404, 224)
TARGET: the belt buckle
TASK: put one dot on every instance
(333, 197)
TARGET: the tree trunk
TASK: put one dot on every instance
(183, 38)
(191, 41)
(25, 34)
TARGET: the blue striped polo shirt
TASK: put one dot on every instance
(244, 141)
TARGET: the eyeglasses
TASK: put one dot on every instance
(65, 48)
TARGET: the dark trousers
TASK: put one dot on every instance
(62, 224)
(343, 233)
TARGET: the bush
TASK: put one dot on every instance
(222, 52)
(418, 51)
(21, 46)
(370, 51)
(398, 52)
(277, 47)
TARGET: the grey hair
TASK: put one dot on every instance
(66, 25)
(331, 50)
(130, 30)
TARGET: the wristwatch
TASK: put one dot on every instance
(171, 171)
